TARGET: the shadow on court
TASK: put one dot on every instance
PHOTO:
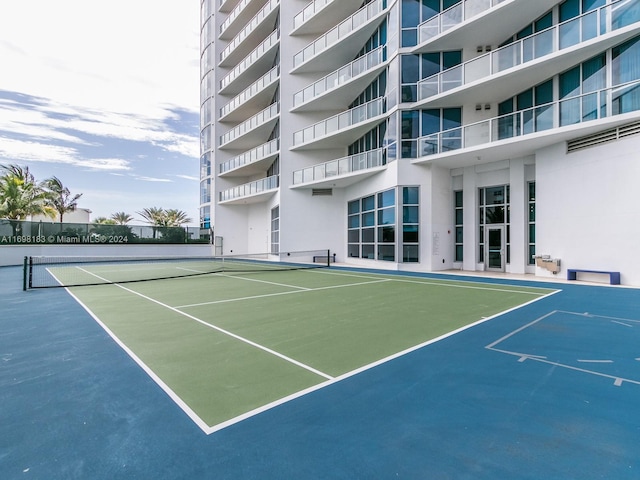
(73, 405)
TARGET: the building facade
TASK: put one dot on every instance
(426, 135)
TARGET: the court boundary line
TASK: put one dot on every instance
(617, 380)
(209, 429)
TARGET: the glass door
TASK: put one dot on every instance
(494, 255)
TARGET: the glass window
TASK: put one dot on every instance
(387, 198)
(410, 195)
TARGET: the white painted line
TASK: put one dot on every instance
(594, 361)
(221, 330)
(279, 293)
(622, 323)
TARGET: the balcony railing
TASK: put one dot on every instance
(309, 11)
(269, 7)
(569, 111)
(341, 166)
(254, 155)
(453, 16)
(249, 92)
(258, 119)
(566, 34)
(336, 34)
(350, 118)
(233, 15)
(249, 189)
(239, 69)
(341, 76)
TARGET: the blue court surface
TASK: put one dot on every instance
(550, 390)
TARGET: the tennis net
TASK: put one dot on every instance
(75, 271)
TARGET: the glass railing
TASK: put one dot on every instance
(251, 188)
(251, 156)
(336, 34)
(341, 76)
(572, 32)
(249, 92)
(260, 50)
(309, 11)
(343, 120)
(341, 166)
(233, 15)
(453, 16)
(258, 119)
(270, 6)
(569, 111)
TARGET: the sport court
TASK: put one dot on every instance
(334, 373)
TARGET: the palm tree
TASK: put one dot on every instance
(60, 197)
(121, 218)
(154, 216)
(21, 196)
(175, 218)
(104, 221)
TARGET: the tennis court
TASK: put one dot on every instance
(318, 373)
(235, 342)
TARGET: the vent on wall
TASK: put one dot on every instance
(322, 192)
(603, 137)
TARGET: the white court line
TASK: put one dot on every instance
(221, 330)
(221, 274)
(441, 283)
(280, 293)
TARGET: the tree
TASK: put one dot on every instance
(175, 218)
(153, 216)
(59, 197)
(104, 221)
(21, 196)
(121, 218)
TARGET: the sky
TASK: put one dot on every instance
(104, 96)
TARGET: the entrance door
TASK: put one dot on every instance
(494, 255)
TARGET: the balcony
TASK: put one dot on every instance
(341, 86)
(522, 133)
(259, 60)
(341, 44)
(320, 15)
(258, 28)
(253, 131)
(483, 24)
(226, 5)
(578, 37)
(342, 129)
(341, 172)
(252, 192)
(452, 17)
(252, 99)
(252, 162)
(239, 16)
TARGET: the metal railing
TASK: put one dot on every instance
(248, 93)
(341, 76)
(309, 11)
(251, 156)
(260, 50)
(341, 166)
(351, 117)
(258, 119)
(453, 16)
(251, 188)
(339, 32)
(566, 34)
(269, 7)
(590, 106)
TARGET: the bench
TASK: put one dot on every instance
(614, 277)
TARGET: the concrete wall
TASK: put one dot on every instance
(588, 212)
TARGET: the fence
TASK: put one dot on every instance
(20, 232)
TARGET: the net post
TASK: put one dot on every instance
(328, 258)
(24, 274)
(30, 285)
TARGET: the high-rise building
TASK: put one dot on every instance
(427, 135)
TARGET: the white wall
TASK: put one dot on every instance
(588, 213)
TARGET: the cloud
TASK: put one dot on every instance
(151, 179)
(188, 177)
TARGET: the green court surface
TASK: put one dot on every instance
(226, 346)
